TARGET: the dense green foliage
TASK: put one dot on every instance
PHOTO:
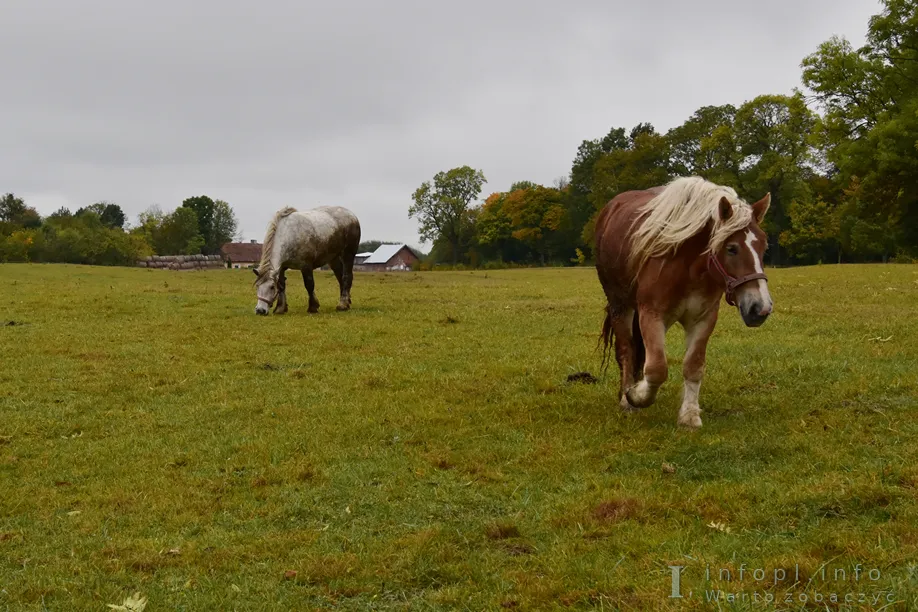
(843, 175)
(442, 208)
(97, 235)
(425, 451)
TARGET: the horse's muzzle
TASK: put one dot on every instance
(261, 311)
(755, 313)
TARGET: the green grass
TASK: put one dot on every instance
(425, 451)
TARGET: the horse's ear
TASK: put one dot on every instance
(761, 207)
(255, 270)
(725, 209)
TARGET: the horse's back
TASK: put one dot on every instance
(337, 214)
(612, 233)
(320, 234)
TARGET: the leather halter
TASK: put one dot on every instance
(731, 282)
(261, 299)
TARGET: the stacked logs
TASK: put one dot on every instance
(183, 262)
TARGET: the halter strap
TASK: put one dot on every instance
(731, 282)
(261, 299)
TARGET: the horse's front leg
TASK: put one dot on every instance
(281, 306)
(653, 332)
(310, 283)
(697, 333)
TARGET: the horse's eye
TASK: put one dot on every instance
(732, 249)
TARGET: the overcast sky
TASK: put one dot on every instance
(302, 103)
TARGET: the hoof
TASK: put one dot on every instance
(641, 395)
(342, 307)
(626, 405)
(690, 419)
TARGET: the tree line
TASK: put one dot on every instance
(98, 234)
(841, 166)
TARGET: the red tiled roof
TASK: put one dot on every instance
(241, 252)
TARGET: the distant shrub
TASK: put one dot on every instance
(74, 242)
(21, 245)
(903, 257)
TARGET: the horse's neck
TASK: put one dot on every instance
(283, 248)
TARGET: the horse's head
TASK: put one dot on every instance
(739, 262)
(267, 290)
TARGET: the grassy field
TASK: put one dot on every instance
(425, 451)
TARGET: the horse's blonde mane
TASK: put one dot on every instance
(684, 207)
(264, 266)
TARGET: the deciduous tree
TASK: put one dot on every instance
(442, 208)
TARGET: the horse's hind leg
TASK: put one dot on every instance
(656, 371)
(310, 284)
(343, 268)
(640, 353)
(625, 355)
(348, 261)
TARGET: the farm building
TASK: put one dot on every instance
(361, 257)
(388, 257)
(241, 254)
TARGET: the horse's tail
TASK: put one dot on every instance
(606, 337)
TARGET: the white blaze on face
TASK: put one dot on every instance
(763, 286)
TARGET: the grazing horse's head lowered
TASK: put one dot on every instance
(666, 255)
(266, 287)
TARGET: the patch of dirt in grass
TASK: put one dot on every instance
(516, 549)
(582, 377)
(616, 510)
(502, 531)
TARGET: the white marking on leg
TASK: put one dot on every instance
(763, 286)
(690, 412)
(643, 392)
(626, 405)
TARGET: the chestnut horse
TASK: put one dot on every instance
(666, 255)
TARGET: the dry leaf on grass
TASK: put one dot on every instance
(134, 603)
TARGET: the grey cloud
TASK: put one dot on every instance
(356, 103)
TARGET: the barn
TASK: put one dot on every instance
(389, 257)
(241, 254)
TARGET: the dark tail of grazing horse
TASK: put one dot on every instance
(607, 337)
